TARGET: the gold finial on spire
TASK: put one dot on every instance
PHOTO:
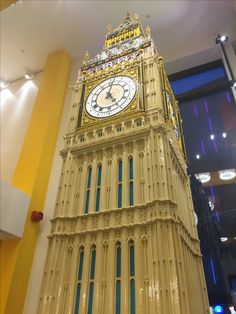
(86, 57)
(136, 17)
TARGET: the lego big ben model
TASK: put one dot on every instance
(123, 237)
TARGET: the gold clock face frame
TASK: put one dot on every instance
(111, 96)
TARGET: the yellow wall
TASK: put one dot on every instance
(31, 176)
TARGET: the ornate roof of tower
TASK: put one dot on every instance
(128, 37)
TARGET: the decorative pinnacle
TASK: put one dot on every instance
(109, 28)
(86, 57)
(148, 30)
(136, 17)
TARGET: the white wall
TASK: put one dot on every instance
(16, 105)
(34, 285)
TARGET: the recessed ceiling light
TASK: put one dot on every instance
(29, 76)
(223, 239)
(221, 38)
(4, 84)
(224, 135)
(197, 156)
(227, 174)
(212, 136)
(204, 177)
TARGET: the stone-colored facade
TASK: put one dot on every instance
(159, 224)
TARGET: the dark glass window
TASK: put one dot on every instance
(118, 296)
(80, 273)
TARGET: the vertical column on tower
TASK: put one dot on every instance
(137, 177)
(114, 186)
(69, 306)
(104, 274)
(110, 291)
(44, 298)
(82, 187)
(124, 273)
(58, 303)
(125, 178)
(93, 183)
(99, 260)
(104, 174)
(139, 272)
(56, 273)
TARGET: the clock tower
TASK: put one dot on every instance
(123, 238)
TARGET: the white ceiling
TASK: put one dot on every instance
(184, 31)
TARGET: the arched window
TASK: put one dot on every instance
(79, 280)
(91, 280)
(119, 183)
(132, 277)
(131, 182)
(98, 188)
(88, 190)
(118, 278)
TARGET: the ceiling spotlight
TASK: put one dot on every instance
(197, 156)
(228, 174)
(204, 177)
(221, 38)
(4, 85)
(29, 76)
(234, 84)
(211, 204)
(224, 135)
(223, 239)
(212, 136)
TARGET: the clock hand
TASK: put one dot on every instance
(109, 94)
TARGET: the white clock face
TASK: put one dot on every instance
(110, 97)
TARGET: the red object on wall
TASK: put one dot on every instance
(36, 216)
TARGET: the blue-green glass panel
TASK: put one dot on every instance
(132, 296)
(99, 175)
(120, 170)
(118, 297)
(77, 298)
(131, 193)
(118, 262)
(90, 302)
(98, 200)
(131, 252)
(131, 175)
(87, 202)
(93, 264)
(119, 195)
(89, 177)
(81, 261)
